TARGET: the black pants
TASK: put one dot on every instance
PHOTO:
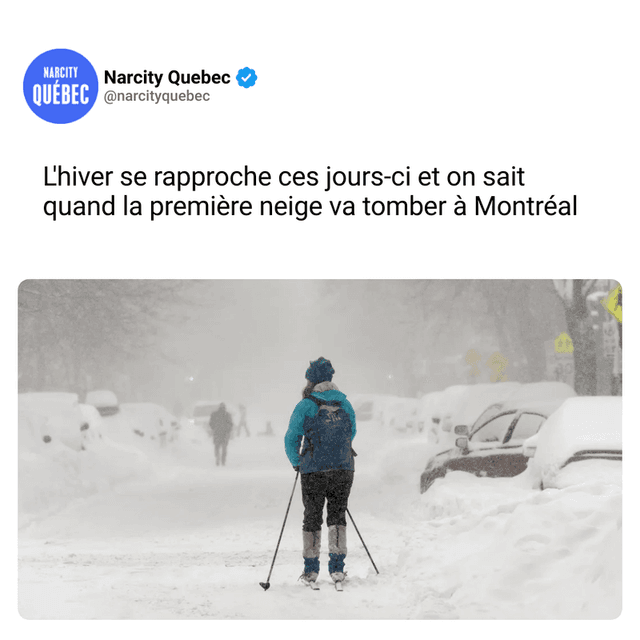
(332, 486)
(220, 447)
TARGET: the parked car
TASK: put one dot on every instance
(370, 407)
(93, 424)
(363, 405)
(104, 401)
(493, 445)
(440, 411)
(523, 395)
(474, 399)
(153, 420)
(53, 417)
(400, 414)
(581, 441)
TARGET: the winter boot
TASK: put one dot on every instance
(337, 551)
(309, 577)
(311, 554)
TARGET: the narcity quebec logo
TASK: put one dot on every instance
(60, 86)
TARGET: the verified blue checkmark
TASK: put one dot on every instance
(246, 77)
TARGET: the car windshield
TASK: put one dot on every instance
(527, 426)
(494, 430)
(485, 415)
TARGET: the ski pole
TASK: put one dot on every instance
(267, 584)
(363, 544)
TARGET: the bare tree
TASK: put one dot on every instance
(573, 294)
(525, 314)
(77, 332)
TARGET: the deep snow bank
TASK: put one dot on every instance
(50, 479)
(51, 475)
(495, 548)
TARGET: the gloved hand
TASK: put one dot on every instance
(296, 468)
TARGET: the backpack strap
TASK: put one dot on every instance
(319, 403)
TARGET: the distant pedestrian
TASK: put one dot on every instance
(327, 422)
(268, 430)
(242, 422)
(221, 425)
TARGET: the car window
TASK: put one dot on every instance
(527, 426)
(494, 430)
(485, 415)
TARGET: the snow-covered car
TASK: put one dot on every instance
(448, 400)
(370, 407)
(400, 414)
(395, 413)
(580, 442)
(493, 446)
(153, 419)
(104, 401)
(523, 395)
(53, 417)
(125, 428)
(93, 431)
(440, 411)
(428, 414)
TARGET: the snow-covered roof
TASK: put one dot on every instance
(48, 399)
(101, 398)
(581, 423)
(546, 390)
(479, 397)
(90, 413)
(534, 405)
(538, 397)
(464, 403)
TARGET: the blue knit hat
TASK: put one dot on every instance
(320, 370)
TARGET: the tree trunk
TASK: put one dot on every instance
(584, 347)
(526, 333)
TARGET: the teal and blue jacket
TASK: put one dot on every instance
(328, 433)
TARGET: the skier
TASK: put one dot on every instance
(221, 426)
(326, 420)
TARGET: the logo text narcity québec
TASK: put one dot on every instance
(60, 86)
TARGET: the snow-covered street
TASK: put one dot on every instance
(193, 541)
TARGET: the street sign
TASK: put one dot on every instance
(613, 303)
(559, 354)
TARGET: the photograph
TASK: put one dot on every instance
(215, 449)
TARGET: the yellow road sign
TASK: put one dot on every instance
(612, 302)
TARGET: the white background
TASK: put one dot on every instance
(548, 86)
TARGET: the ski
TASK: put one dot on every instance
(338, 586)
(310, 583)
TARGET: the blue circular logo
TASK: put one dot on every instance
(60, 86)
